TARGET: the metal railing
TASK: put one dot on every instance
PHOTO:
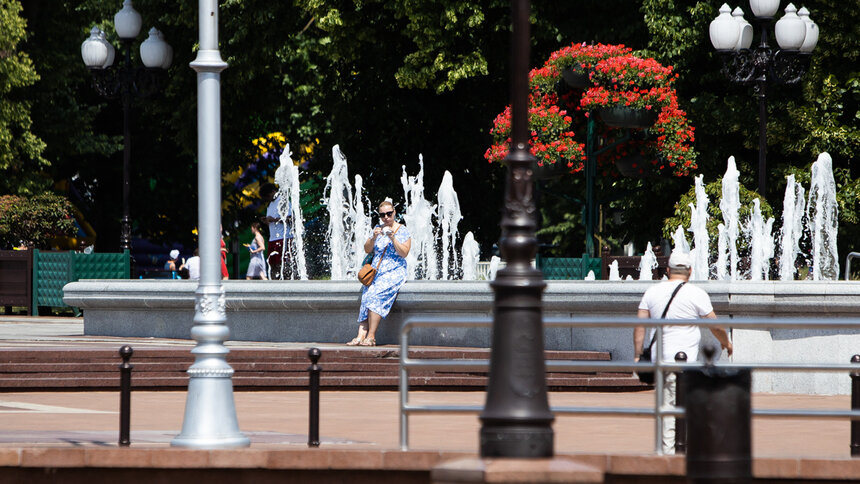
(659, 411)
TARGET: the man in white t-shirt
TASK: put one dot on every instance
(193, 266)
(689, 303)
(280, 233)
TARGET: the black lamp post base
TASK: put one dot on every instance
(524, 440)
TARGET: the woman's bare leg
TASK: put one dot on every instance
(373, 321)
(362, 332)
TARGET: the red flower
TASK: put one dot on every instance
(619, 79)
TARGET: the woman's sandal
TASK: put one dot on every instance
(355, 342)
(368, 342)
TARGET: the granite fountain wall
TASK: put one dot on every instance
(325, 311)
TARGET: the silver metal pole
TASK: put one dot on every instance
(210, 412)
(657, 359)
(404, 388)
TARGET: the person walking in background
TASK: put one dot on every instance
(389, 244)
(675, 299)
(257, 265)
(280, 232)
(224, 274)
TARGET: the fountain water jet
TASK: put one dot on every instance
(730, 206)
(495, 262)
(679, 241)
(471, 254)
(289, 203)
(821, 214)
(350, 224)
(338, 199)
(821, 218)
(699, 228)
(792, 228)
(362, 228)
(421, 263)
(449, 216)
(761, 243)
(614, 274)
(647, 264)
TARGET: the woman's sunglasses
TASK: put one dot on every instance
(386, 214)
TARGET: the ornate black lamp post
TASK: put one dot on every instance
(517, 421)
(732, 36)
(126, 82)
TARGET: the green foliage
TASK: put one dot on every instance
(819, 124)
(820, 115)
(446, 36)
(558, 233)
(34, 221)
(21, 158)
(390, 80)
(714, 191)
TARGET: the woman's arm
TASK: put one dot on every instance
(368, 244)
(402, 248)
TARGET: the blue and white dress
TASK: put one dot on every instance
(257, 265)
(390, 277)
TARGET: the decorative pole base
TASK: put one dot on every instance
(516, 441)
(210, 416)
(210, 413)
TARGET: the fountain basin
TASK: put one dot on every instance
(326, 311)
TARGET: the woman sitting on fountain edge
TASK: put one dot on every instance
(391, 242)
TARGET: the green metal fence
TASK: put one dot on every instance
(53, 270)
(567, 268)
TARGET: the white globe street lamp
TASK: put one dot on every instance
(126, 81)
(731, 35)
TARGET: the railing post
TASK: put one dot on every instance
(314, 398)
(855, 405)
(125, 396)
(680, 401)
(719, 413)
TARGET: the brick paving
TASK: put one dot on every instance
(359, 419)
(369, 420)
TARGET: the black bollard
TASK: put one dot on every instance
(125, 396)
(718, 414)
(680, 423)
(855, 405)
(314, 401)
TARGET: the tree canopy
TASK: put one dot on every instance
(21, 149)
(388, 81)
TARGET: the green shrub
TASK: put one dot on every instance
(714, 190)
(34, 221)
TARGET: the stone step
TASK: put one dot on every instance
(342, 368)
(327, 382)
(18, 355)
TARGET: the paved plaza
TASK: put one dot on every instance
(369, 420)
(357, 419)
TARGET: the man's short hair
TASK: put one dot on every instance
(686, 271)
(267, 189)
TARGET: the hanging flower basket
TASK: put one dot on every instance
(547, 171)
(576, 77)
(623, 90)
(625, 117)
